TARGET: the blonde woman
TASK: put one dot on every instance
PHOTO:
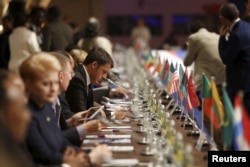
(78, 56)
(45, 140)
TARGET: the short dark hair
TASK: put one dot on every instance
(4, 75)
(36, 10)
(7, 18)
(195, 26)
(91, 30)
(20, 20)
(229, 11)
(100, 56)
(53, 13)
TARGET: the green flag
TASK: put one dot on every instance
(208, 101)
(206, 90)
(228, 119)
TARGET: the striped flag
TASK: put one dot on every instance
(208, 101)
(165, 70)
(217, 104)
(174, 83)
(241, 125)
(183, 85)
(157, 67)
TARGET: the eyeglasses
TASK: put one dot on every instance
(72, 74)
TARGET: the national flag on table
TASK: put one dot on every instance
(173, 85)
(183, 85)
(208, 101)
(228, 118)
(157, 67)
(165, 70)
(170, 73)
(192, 98)
(150, 62)
(217, 104)
(241, 125)
(181, 73)
(146, 55)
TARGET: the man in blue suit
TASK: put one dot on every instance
(234, 49)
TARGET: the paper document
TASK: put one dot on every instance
(112, 136)
(107, 141)
(121, 162)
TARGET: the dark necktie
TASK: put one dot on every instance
(58, 113)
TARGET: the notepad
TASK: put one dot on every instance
(121, 148)
(112, 136)
(115, 148)
(117, 127)
(107, 141)
(116, 130)
(121, 162)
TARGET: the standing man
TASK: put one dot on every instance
(57, 35)
(203, 52)
(234, 49)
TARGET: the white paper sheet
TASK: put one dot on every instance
(112, 136)
(121, 162)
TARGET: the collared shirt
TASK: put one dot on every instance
(231, 27)
(79, 128)
(235, 21)
(56, 102)
(57, 109)
(87, 75)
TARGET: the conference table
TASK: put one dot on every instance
(136, 73)
(199, 159)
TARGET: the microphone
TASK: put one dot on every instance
(118, 85)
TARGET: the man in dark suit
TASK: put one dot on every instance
(234, 49)
(72, 129)
(94, 69)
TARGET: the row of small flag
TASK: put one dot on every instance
(234, 121)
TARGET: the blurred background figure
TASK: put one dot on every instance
(57, 34)
(91, 37)
(141, 33)
(7, 22)
(170, 42)
(78, 56)
(37, 22)
(77, 33)
(203, 52)
(14, 120)
(23, 42)
(246, 16)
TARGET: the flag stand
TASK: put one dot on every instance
(182, 116)
(178, 110)
(195, 132)
(224, 147)
(211, 127)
